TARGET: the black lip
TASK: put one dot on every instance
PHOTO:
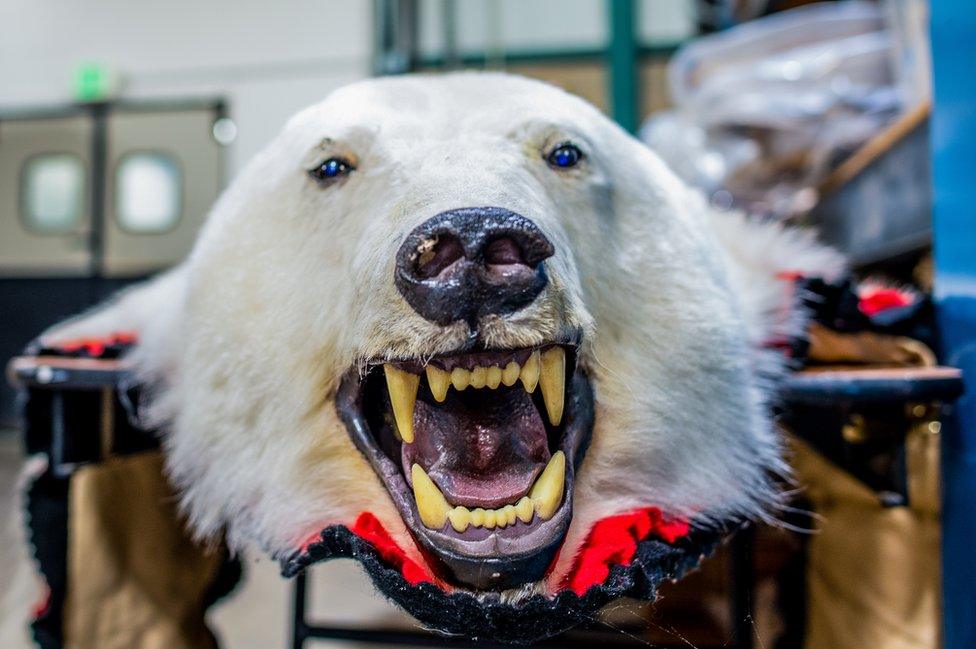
(479, 572)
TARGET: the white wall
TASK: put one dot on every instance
(268, 59)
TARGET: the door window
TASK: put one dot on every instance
(53, 193)
(148, 192)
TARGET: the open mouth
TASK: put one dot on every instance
(478, 452)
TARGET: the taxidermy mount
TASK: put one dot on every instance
(469, 331)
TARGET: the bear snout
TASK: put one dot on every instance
(468, 263)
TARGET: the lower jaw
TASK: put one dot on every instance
(493, 564)
(503, 559)
(494, 573)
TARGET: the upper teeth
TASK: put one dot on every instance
(403, 395)
(551, 382)
(547, 370)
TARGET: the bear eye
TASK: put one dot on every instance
(331, 169)
(564, 156)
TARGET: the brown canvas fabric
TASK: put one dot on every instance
(135, 579)
(873, 574)
(866, 347)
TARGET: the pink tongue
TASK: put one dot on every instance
(483, 448)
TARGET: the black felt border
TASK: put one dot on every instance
(532, 619)
(46, 520)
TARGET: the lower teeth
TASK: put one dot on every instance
(543, 500)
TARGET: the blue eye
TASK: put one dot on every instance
(331, 169)
(564, 156)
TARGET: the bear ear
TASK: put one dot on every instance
(146, 315)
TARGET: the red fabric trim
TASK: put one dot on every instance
(789, 302)
(613, 541)
(789, 275)
(369, 528)
(42, 606)
(875, 300)
(96, 346)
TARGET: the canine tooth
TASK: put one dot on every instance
(494, 377)
(547, 492)
(530, 372)
(478, 517)
(460, 378)
(403, 395)
(439, 381)
(510, 515)
(552, 381)
(460, 518)
(511, 373)
(478, 377)
(524, 509)
(431, 504)
(489, 522)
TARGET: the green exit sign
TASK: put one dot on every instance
(94, 82)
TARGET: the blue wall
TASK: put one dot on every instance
(954, 151)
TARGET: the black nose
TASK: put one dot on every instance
(472, 262)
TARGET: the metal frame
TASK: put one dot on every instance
(953, 23)
(398, 52)
(623, 90)
(530, 56)
(396, 36)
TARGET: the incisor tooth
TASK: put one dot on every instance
(547, 492)
(511, 373)
(460, 378)
(510, 515)
(552, 381)
(478, 517)
(478, 377)
(460, 518)
(431, 504)
(494, 377)
(403, 395)
(490, 519)
(530, 372)
(439, 381)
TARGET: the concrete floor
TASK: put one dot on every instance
(257, 615)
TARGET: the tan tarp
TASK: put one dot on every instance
(873, 576)
(135, 580)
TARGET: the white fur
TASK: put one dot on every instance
(22, 586)
(290, 284)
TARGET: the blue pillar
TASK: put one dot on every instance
(954, 222)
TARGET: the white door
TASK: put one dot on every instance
(45, 197)
(162, 176)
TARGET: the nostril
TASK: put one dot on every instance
(504, 251)
(467, 263)
(435, 254)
